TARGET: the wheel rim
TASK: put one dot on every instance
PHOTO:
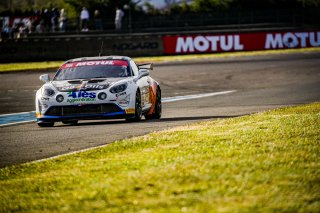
(138, 106)
(159, 108)
(159, 104)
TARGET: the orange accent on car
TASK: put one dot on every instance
(38, 115)
(153, 97)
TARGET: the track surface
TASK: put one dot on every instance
(262, 82)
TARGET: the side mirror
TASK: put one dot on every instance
(45, 78)
(143, 72)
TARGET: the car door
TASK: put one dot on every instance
(143, 83)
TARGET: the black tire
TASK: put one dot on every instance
(49, 124)
(158, 107)
(70, 122)
(138, 109)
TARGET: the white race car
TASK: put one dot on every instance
(106, 87)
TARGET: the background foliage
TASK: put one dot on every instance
(107, 7)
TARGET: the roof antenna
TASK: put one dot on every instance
(100, 53)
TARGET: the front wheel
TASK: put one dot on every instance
(48, 124)
(138, 109)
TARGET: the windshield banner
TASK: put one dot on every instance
(209, 43)
(95, 63)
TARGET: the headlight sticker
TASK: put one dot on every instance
(48, 92)
(119, 88)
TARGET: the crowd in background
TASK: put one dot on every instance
(43, 21)
(53, 20)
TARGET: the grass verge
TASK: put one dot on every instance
(10, 67)
(267, 162)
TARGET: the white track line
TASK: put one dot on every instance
(19, 113)
(67, 154)
(188, 97)
(164, 100)
(15, 123)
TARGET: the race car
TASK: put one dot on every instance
(106, 87)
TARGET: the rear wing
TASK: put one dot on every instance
(148, 66)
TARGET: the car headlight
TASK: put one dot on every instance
(119, 88)
(48, 92)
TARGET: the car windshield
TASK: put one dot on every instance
(93, 69)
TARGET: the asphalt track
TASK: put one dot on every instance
(261, 83)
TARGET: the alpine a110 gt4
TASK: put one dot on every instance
(106, 87)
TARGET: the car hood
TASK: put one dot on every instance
(84, 84)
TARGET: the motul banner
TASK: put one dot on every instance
(183, 44)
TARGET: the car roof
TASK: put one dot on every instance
(110, 57)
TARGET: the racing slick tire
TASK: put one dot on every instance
(71, 122)
(49, 124)
(138, 109)
(157, 109)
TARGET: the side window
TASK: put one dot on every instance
(134, 68)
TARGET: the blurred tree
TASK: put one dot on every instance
(72, 6)
(107, 7)
(222, 5)
(309, 3)
(210, 5)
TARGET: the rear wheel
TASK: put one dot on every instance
(48, 124)
(138, 109)
(157, 108)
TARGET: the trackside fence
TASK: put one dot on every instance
(63, 48)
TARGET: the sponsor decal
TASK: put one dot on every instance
(292, 40)
(81, 96)
(184, 44)
(121, 94)
(86, 87)
(136, 46)
(205, 43)
(130, 111)
(95, 63)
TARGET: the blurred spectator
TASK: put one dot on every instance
(63, 20)
(84, 19)
(37, 18)
(46, 17)
(40, 27)
(118, 18)
(97, 20)
(22, 31)
(54, 19)
(6, 32)
(15, 30)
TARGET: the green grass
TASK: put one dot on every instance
(266, 162)
(27, 66)
(10, 67)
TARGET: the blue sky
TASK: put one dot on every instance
(156, 3)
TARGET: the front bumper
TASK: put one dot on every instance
(84, 112)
